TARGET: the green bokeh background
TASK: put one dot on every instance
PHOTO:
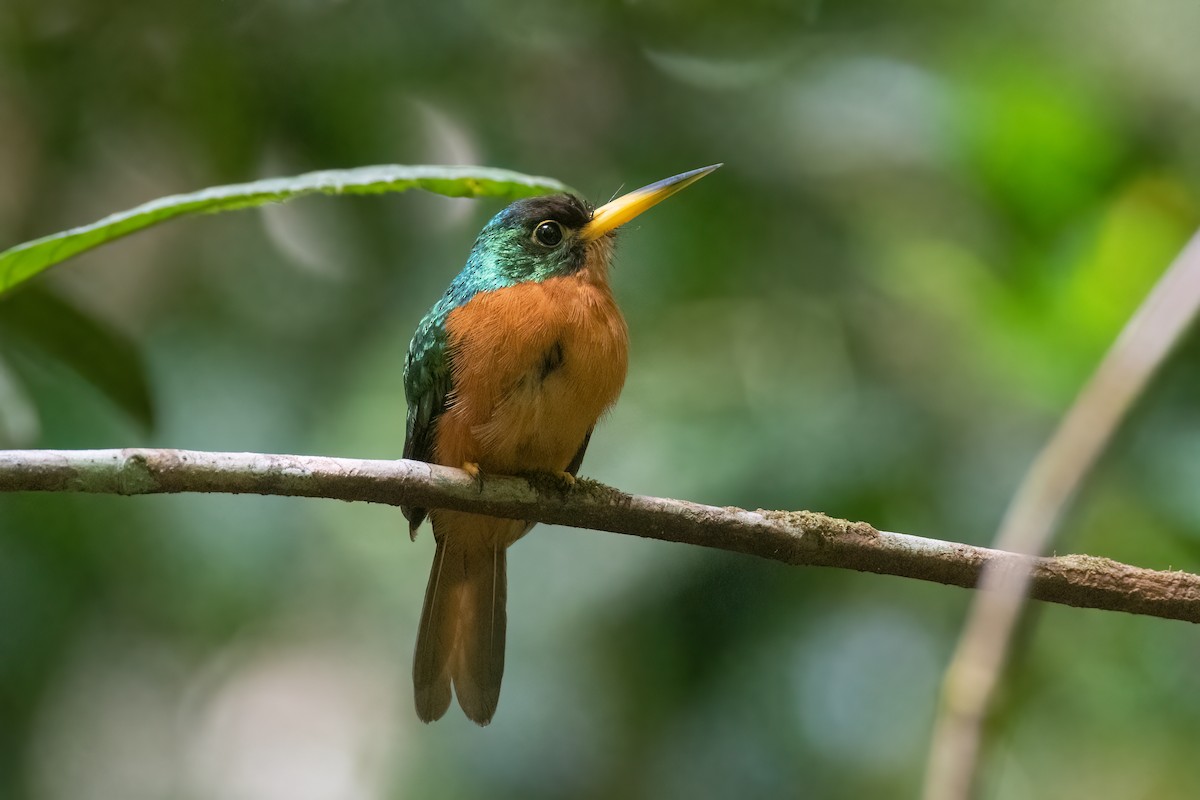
(933, 219)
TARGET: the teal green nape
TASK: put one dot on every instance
(508, 252)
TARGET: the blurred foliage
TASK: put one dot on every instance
(101, 355)
(932, 221)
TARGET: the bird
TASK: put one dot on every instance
(508, 374)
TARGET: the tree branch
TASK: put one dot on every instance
(792, 537)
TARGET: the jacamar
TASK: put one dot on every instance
(507, 374)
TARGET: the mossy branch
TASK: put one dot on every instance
(799, 538)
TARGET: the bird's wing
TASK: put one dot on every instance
(427, 379)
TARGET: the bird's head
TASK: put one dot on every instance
(558, 235)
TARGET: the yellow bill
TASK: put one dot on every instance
(614, 214)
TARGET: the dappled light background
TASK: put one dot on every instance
(931, 222)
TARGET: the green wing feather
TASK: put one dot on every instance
(427, 379)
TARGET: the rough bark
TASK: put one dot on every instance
(800, 538)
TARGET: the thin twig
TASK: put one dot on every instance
(796, 538)
(1034, 515)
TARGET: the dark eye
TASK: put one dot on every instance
(548, 233)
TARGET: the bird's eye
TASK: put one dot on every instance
(548, 233)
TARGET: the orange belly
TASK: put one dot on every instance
(534, 367)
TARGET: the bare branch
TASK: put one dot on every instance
(792, 537)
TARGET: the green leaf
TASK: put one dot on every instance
(18, 264)
(100, 354)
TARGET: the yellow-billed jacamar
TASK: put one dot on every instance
(507, 374)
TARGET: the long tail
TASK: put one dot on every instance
(461, 638)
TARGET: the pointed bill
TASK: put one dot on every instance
(613, 215)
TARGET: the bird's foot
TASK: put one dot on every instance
(551, 480)
(472, 469)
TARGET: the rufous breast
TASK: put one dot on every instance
(535, 365)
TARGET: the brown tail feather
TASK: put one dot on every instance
(478, 665)
(435, 639)
(463, 623)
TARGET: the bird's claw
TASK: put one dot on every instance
(551, 480)
(472, 469)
